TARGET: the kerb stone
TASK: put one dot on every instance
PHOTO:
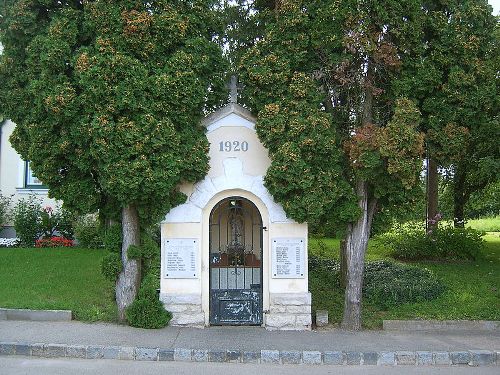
(183, 355)
(76, 351)
(54, 350)
(406, 358)
(251, 357)
(291, 357)
(126, 353)
(233, 356)
(353, 358)
(111, 352)
(23, 349)
(387, 359)
(200, 355)
(166, 354)
(370, 358)
(425, 358)
(7, 348)
(482, 358)
(441, 358)
(333, 358)
(270, 356)
(146, 354)
(311, 357)
(95, 352)
(460, 358)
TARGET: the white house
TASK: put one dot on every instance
(16, 179)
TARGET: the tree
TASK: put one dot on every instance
(452, 77)
(108, 97)
(342, 144)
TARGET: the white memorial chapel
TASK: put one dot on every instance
(230, 255)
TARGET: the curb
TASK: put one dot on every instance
(449, 325)
(339, 358)
(35, 315)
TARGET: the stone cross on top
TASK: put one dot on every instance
(233, 89)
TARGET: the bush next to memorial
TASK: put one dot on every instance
(411, 241)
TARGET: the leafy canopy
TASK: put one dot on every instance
(311, 77)
(107, 97)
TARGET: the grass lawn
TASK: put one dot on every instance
(61, 278)
(473, 287)
(489, 224)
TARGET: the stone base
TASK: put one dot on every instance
(185, 308)
(289, 311)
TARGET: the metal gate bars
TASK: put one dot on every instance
(235, 263)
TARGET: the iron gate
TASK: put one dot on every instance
(235, 263)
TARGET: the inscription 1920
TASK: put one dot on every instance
(228, 146)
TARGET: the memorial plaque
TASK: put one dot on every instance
(181, 258)
(288, 258)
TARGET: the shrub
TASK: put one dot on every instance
(27, 220)
(144, 313)
(54, 241)
(58, 221)
(4, 209)
(147, 311)
(88, 232)
(387, 284)
(111, 266)
(411, 242)
(113, 238)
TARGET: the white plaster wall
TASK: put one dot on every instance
(233, 173)
(255, 160)
(294, 285)
(181, 286)
(12, 171)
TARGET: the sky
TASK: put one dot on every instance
(496, 6)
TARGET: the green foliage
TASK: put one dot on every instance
(113, 238)
(387, 284)
(56, 220)
(411, 242)
(88, 232)
(111, 266)
(147, 311)
(305, 77)
(134, 252)
(27, 221)
(4, 209)
(115, 92)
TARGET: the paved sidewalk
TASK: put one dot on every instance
(248, 344)
(245, 338)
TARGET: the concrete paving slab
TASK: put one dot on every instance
(251, 339)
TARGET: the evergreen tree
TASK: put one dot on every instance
(342, 144)
(107, 97)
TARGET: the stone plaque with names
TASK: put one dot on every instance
(288, 258)
(181, 258)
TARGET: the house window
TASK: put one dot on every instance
(30, 180)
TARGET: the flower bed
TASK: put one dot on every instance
(9, 242)
(54, 241)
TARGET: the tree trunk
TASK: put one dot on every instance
(355, 244)
(343, 264)
(129, 279)
(432, 193)
(459, 197)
